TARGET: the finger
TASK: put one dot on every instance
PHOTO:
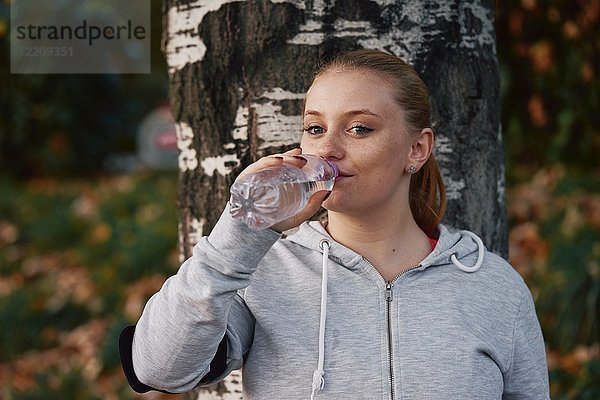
(295, 160)
(293, 157)
(262, 163)
(295, 151)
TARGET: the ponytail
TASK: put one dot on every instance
(427, 196)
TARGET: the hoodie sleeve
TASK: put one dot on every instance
(527, 377)
(198, 312)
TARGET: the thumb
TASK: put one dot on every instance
(311, 208)
(313, 205)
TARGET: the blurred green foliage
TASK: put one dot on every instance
(555, 245)
(79, 259)
(57, 385)
(548, 52)
(69, 123)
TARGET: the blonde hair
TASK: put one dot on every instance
(427, 194)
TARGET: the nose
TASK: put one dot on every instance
(330, 146)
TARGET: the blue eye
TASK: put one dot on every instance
(314, 130)
(361, 130)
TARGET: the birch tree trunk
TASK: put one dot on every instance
(238, 72)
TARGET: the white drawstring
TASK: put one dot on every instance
(319, 374)
(480, 255)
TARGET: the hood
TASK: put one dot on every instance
(462, 248)
(455, 247)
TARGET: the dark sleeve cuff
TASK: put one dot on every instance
(125, 349)
(217, 365)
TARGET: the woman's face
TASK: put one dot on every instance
(351, 118)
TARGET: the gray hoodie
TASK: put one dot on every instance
(307, 317)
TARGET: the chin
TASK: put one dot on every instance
(335, 203)
(328, 204)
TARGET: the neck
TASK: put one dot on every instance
(392, 243)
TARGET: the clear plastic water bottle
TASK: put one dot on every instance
(274, 194)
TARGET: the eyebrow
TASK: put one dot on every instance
(361, 111)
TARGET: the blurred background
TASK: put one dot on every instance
(88, 222)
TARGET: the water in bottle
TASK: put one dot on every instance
(274, 194)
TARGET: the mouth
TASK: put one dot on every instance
(342, 176)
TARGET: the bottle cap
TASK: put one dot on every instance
(336, 170)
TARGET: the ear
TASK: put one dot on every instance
(421, 148)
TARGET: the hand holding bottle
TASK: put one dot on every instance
(281, 191)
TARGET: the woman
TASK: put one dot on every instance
(379, 302)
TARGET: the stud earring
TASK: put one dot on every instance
(412, 169)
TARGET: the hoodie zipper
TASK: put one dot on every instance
(388, 306)
(389, 297)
